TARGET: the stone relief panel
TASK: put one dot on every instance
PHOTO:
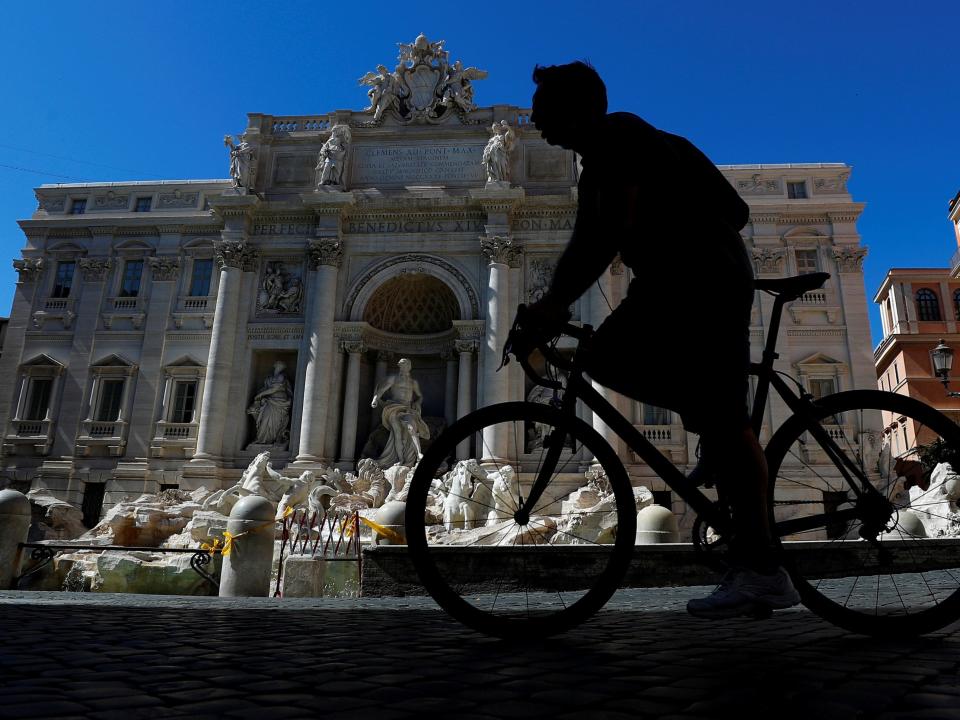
(294, 169)
(539, 274)
(281, 288)
(828, 186)
(757, 185)
(177, 199)
(55, 204)
(547, 164)
(111, 201)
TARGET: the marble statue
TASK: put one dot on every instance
(298, 493)
(332, 158)
(386, 91)
(271, 408)
(243, 160)
(496, 155)
(936, 507)
(424, 86)
(402, 417)
(457, 92)
(258, 479)
(538, 431)
(506, 496)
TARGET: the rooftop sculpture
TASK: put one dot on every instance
(424, 86)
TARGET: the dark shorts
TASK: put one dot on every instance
(685, 351)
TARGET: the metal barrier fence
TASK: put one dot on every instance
(327, 536)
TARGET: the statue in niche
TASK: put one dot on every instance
(271, 408)
(385, 91)
(281, 290)
(402, 402)
(332, 157)
(496, 155)
(242, 161)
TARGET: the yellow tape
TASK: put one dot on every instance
(391, 535)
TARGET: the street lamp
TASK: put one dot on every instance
(942, 357)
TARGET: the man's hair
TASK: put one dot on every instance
(578, 80)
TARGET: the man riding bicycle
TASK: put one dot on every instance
(658, 202)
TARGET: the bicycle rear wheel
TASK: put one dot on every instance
(886, 566)
(494, 569)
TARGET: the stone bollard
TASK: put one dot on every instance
(655, 525)
(246, 570)
(14, 526)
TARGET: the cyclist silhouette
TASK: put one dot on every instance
(674, 219)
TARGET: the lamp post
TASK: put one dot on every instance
(942, 357)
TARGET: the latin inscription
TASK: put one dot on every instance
(371, 227)
(283, 229)
(543, 224)
(417, 164)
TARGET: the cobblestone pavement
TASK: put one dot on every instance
(80, 655)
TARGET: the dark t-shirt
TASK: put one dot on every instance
(688, 219)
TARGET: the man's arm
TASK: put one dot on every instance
(594, 244)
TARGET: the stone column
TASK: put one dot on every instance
(496, 386)
(465, 349)
(854, 302)
(164, 271)
(450, 387)
(30, 271)
(326, 255)
(517, 384)
(331, 443)
(233, 256)
(351, 402)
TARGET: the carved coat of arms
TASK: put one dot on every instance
(424, 86)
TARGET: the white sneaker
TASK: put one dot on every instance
(746, 592)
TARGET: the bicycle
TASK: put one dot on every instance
(512, 553)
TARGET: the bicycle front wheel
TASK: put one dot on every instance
(885, 564)
(516, 574)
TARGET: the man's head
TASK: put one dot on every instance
(570, 100)
(404, 365)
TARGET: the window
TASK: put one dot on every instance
(38, 399)
(797, 190)
(956, 304)
(896, 372)
(928, 306)
(653, 415)
(807, 261)
(111, 395)
(200, 279)
(63, 280)
(184, 401)
(132, 272)
(143, 204)
(78, 207)
(821, 387)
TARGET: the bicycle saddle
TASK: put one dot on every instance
(790, 288)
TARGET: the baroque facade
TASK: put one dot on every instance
(150, 317)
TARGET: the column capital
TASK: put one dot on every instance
(28, 268)
(325, 251)
(498, 249)
(769, 259)
(164, 268)
(235, 254)
(465, 346)
(849, 259)
(94, 269)
(353, 346)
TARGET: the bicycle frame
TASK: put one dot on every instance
(709, 510)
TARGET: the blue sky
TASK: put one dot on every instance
(141, 90)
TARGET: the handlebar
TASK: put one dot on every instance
(524, 339)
